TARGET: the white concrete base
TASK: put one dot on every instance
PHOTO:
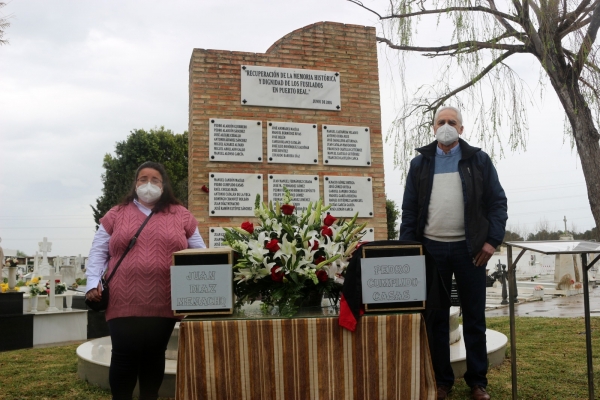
(496, 348)
(61, 326)
(94, 362)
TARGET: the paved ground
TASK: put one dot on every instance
(569, 306)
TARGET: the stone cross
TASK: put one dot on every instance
(45, 247)
(565, 219)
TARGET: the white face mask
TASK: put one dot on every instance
(446, 135)
(148, 192)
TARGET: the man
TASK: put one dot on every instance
(454, 204)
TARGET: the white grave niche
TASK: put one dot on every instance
(348, 195)
(292, 143)
(347, 145)
(216, 236)
(303, 188)
(369, 235)
(233, 195)
(235, 140)
(290, 88)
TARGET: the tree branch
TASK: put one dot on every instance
(456, 46)
(588, 41)
(571, 17)
(592, 88)
(434, 106)
(502, 21)
(439, 11)
(574, 27)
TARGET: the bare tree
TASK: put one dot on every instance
(3, 25)
(559, 34)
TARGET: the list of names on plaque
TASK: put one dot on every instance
(235, 140)
(292, 143)
(216, 236)
(290, 88)
(346, 145)
(233, 195)
(348, 195)
(303, 188)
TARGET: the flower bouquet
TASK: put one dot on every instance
(288, 256)
(11, 262)
(59, 288)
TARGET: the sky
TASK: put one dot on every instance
(77, 77)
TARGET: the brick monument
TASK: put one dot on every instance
(345, 54)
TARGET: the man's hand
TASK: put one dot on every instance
(95, 294)
(484, 255)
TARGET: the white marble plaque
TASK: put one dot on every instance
(393, 279)
(235, 140)
(290, 88)
(292, 143)
(234, 194)
(201, 287)
(303, 188)
(347, 145)
(369, 235)
(348, 195)
(216, 236)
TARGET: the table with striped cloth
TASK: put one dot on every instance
(304, 358)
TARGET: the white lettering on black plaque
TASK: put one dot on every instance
(303, 188)
(348, 195)
(235, 140)
(233, 194)
(292, 143)
(290, 88)
(346, 145)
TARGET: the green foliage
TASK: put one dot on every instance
(159, 145)
(544, 235)
(21, 254)
(512, 237)
(587, 235)
(392, 214)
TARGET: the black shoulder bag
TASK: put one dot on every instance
(102, 305)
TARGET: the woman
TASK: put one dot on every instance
(139, 315)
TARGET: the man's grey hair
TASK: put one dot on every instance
(456, 110)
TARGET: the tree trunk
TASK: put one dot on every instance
(585, 133)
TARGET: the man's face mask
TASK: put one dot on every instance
(446, 135)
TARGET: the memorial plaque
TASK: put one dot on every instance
(235, 140)
(393, 279)
(201, 287)
(347, 145)
(290, 88)
(216, 236)
(234, 194)
(369, 235)
(292, 143)
(348, 195)
(303, 188)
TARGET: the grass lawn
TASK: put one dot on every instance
(550, 352)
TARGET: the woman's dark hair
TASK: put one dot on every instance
(166, 199)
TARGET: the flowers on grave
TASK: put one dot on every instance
(35, 289)
(3, 287)
(59, 288)
(11, 262)
(288, 255)
(538, 287)
(578, 285)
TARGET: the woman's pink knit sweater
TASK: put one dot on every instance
(141, 287)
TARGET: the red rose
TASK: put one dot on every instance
(326, 231)
(273, 245)
(204, 188)
(319, 260)
(329, 220)
(322, 276)
(315, 245)
(248, 226)
(287, 209)
(276, 276)
(57, 280)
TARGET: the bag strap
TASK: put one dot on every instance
(131, 244)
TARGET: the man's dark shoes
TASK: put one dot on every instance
(477, 393)
(442, 392)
